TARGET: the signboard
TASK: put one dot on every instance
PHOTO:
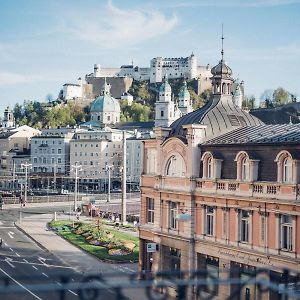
(151, 247)
(184, 217)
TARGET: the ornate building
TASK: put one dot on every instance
(220, 193)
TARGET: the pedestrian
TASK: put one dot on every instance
(118, 222)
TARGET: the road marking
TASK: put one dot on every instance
(9, 261)
(7, 227)
(37, 264)
(11, 249)
(58, 283)
(5, 244)
(22, 286)
(18, 254)
(35, 267)
(45, 275)
(25, 260)
(73, 293)
(10, 234)
(42, 261)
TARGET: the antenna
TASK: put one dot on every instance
(222, 38)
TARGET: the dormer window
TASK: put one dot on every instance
(175, 166)
(211, 166)
(247, 167)
(286, 167)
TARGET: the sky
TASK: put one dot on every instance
(44, 44)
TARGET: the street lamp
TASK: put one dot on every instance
(26, 166)
(108, 168)
(76, 168)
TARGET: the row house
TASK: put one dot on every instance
(220, 193)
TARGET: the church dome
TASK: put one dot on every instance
(221, 69)
(165, 87)
(184, 92)
(105, 103)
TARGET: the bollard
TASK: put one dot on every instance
(55, 216)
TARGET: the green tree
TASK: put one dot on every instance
(249, 102)
(281, 97)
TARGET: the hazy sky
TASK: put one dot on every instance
(44, 44)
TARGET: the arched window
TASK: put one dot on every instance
(209, 167)
(175, 166)
(287, 170)
(224, 88)
(228, 88)
(285, 167)
(245, 169)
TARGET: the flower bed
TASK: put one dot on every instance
(106, 244)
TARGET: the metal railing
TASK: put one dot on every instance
(198, 284)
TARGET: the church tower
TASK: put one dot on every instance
(165, 107)
(184, 100)
(8, 119)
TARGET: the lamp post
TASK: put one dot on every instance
(108, 168)
(76, 168)
(26, 166)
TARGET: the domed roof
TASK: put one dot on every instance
(184, 92)
(221, 69)
(219, 115)
(105, 103)
(165, 87)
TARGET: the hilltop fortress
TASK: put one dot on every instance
(121, 78)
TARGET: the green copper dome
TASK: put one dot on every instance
(165, 87)
(184, 92)
(105, 103)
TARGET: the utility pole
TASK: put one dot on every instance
(76, 168)
(54, 177)
(14, 175)
(108, 168)
(124, 180)
(26, 166)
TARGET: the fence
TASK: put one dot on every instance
(198, 284)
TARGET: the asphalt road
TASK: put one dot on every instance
(31, 272)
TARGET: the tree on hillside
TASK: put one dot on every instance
(135, 113)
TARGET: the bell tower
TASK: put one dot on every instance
(8, 119)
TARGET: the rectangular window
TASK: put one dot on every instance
(52, 150)
(244, 226)
(35, 160)
(173, 211)
(161, 113)
(59, 151)
(59, 160)
(209, 220)
(286, 233)
(150, 210)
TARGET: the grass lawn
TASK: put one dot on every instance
(99, 251)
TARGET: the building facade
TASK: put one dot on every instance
(220, 194)
(50, 157)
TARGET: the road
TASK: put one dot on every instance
(30, 269)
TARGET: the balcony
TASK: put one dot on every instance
(181, 184)
(257, 189)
